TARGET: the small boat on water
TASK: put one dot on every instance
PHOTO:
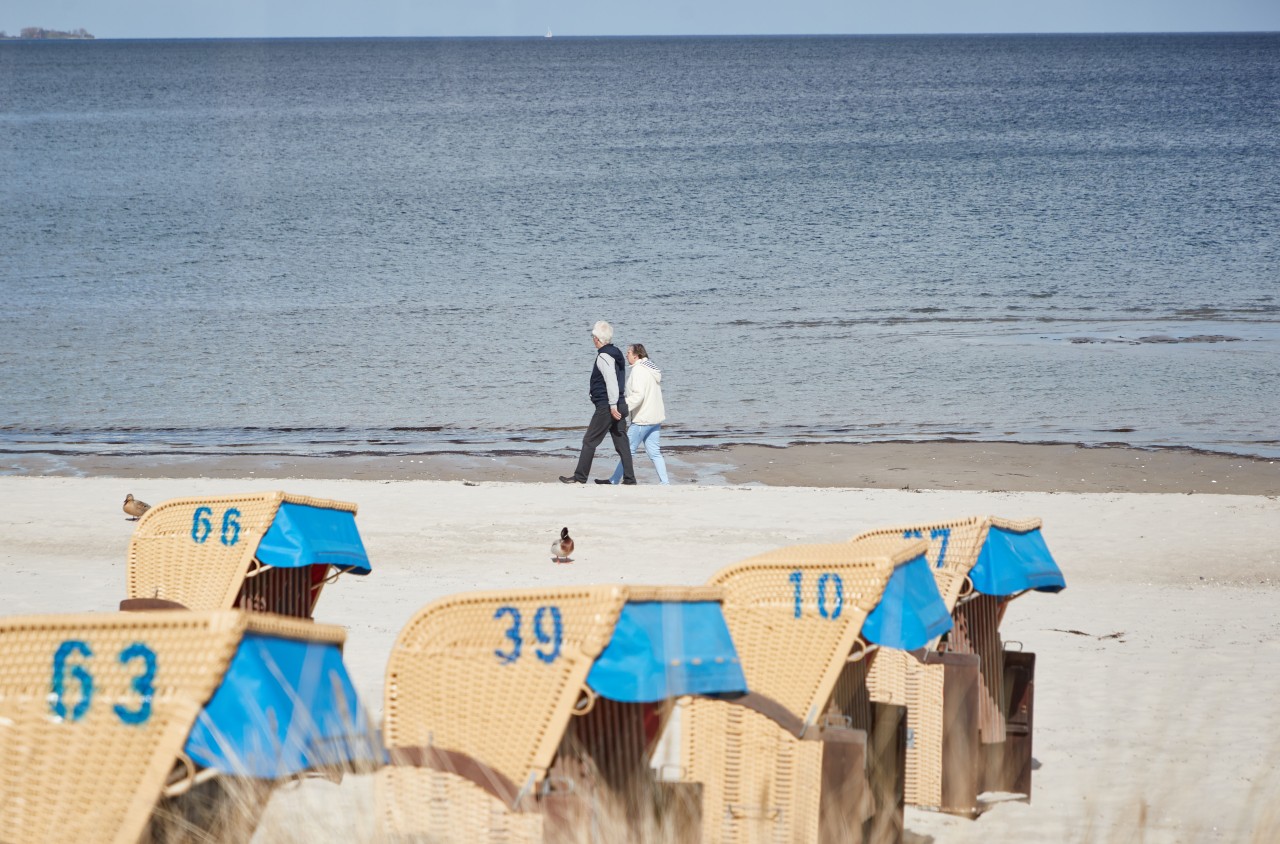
(548, 35)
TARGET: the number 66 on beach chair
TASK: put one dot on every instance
(110, 721)
(530, 715)
(970, 703)
(268, 552)
(827, 766)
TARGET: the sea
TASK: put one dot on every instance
(399, 246)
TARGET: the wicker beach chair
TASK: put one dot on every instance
(105, 717)
(970, 702)
(530, 715)
(827, 765)
(270, 552)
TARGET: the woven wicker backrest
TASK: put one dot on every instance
(197, 551)
(95, 709)
(496, 675)
(795, 614)
(953, 549)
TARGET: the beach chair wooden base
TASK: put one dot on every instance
(886, 774)
(961, 747)
(1007, 764)
(450, 798)
(762, 782)
(842, 802)
(443, 796)
(943, 753)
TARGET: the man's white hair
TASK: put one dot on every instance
(602, 331)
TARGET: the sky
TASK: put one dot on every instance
(337, 18)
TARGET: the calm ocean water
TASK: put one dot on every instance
(374, 246)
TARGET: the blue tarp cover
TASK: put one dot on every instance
(911, 612)
(1013, 562)
(284, 707)
(665, 649)
(313, 536)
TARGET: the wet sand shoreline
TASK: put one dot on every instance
(1013, 467)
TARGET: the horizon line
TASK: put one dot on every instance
(581, 36)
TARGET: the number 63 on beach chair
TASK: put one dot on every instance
(111, 722)
(268, 552)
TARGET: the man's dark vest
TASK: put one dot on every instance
(600, 393)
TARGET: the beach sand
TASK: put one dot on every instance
(1157, 669)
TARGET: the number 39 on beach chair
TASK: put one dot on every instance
(530, 715)
(806, 621)
(270, 552)
(970, 703)
(108, 718)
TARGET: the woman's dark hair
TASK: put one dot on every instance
(637, 349)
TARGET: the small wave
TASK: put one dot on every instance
(1156, 339)
(1197, 338)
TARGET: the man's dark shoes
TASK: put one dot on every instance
(628, 483)
(603, 481)
(570, 479)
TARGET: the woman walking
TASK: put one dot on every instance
(644, 398)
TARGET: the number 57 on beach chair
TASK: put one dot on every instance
(269, 552)
(111, 722)
(970, 702)
(813, 759)
(530, 715)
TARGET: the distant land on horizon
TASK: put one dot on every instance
(36, 32)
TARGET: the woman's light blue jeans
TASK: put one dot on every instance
(650, 435)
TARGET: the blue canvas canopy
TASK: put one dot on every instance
(284, 707)
(1012, 562)
(302, 535)
(664, 649)
(911, 613)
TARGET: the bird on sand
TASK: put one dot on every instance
(562, 548)
(134, 508)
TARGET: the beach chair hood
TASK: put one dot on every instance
(308, 535)
(1014, 558)
(911, 612)
(665, 649)
(284, 706)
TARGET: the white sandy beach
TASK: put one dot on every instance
(1176, 711)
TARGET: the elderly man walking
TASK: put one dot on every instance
(608, 394)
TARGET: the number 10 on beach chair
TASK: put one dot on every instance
(269, 552)
(111, 721)
(970, 702)
(530, 715)
(807, 756)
